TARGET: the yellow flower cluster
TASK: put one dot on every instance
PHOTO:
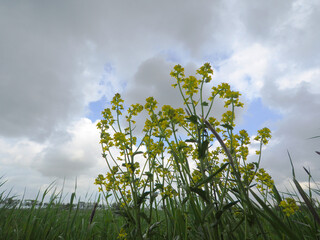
(263, 135)
(224, 91)
(177, 72)
(164, 172)
(109, 182)
(264, 180)
(191, 85)
(117, 103)
(121, 141)
(122, 234)
(153, 148)
(133, 111)
(106, 140)
(289, 206)
(248, 173)
(168, 191)
(228, 118)
(206, 72)
(175, 116)
(108, 119)
(244, 140)
(133, 168)
(151, 105)
(196, 176)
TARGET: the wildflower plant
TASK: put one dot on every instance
(171, 177)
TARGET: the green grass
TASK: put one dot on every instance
(57, 220)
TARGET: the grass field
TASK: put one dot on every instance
(55, 220)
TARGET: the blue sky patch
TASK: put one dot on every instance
(95, 108)
(216, 58)
(258, 116)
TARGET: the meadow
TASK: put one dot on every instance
(170, 181)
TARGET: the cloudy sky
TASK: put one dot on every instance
(61, 62)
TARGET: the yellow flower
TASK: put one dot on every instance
(191, 85)
(117, 103)
(108, 119)
(99, 180)
(289, 206)
(177, 72)
(263, 135)
(224, 91)
(106, 140)
(120, 140)
(196, 176)
(122, 234)
(168, 191)
(228, 118)
(264, 179)
(206, 71)
(151, 104)
(133, 111)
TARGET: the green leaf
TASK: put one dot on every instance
(293, 173)
(193, 119)
(205, 104)
(142, 198)
(149, 231)
(228, 126)
(159, 186)
(135, 153)
(203, 147)
(191, 140)
(185, 200)
(201, 193)
(225, 208)
(276, 194)
(196, 213)
(314, 137)
(210, 178)
(149, 174)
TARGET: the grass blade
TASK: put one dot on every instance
(307, 201)
(274, 219)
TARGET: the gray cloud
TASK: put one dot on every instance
(41, 74)
(153, 79)
(47, 48)
(290, 29)
(299, 108)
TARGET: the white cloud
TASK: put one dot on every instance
(246, 69)
(295, 78)
(73, 155)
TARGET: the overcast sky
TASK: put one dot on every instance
(61, 62)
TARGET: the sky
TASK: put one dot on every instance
(61, 62)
